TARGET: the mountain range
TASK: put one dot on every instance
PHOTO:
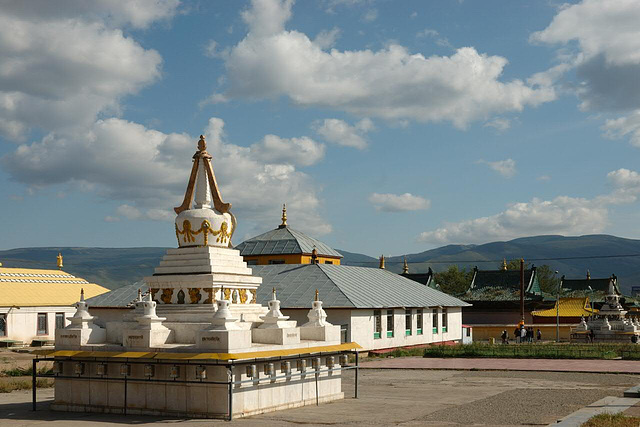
(602, 255)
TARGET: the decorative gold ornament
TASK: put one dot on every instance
(381, 262)
(227, 294)
(284, 216)
(317, 295)
(194, 295)
(211, 298)
(254, 298)
(154, 291)
(166, 295)
(59, 259)
(405, 267)
(504, 264)
(189, 234)
(243, 296)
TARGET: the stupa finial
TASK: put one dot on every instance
(82, 294)
(504, 264)
(381, 266)
(317, 295)
(588, 275)
(405, 267)
(273, 293)
(284, 216)
(202, 144)
(59, 260)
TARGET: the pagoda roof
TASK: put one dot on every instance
(505, 279)
(25, 287)
(568, 307)
(598, 285)
(283, 241)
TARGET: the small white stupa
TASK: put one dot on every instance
(81, 330)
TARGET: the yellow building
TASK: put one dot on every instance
(33, 303)
(287, 246)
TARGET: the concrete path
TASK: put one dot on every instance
(550, 365)
(611, 405)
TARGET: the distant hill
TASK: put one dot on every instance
(116, 267)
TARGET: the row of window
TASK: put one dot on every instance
(42, 325)
(378, 332)
(279, 261)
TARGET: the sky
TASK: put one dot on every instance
(385, 126)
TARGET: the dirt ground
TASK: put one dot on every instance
(390, 397)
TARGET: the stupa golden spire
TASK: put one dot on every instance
(59, 261)
(284, 216)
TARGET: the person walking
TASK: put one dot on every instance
(505, 337)
(523, 334)
(539, 335)
(516, 335)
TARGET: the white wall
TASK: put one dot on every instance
(22, 322)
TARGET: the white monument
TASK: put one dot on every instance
(198, 344)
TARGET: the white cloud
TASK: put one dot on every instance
(65, 62)
(544, 178)
(370, 15)
(327, 38)
(506, 168)
(427, 32)
(624, 126)
(148, 170)
(562, 215)
(390, 83)
(500, 124)
(398, 202)
(110, 218)
(602, 39)
(341, 133)
(298, 151)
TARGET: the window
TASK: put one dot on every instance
(43, 327)
(407, 321)
(252, 262)
(468, 331)
(59, 320)
(3, 325)
(419, 321)
(377, 324)
(326, 261)
(276, 261)
(344, 333)
(390, 323)
(435, 321)
(445, 320)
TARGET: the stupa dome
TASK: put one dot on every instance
(203, 218)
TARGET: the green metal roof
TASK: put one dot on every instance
(283, 241)
(345, 286)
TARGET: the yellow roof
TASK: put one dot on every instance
(568, 307)
(199, 356)
(25, 287)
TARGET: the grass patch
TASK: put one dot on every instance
(9, 386)
(400, 352)
(24, 372)
(612, 420)
(536, 351)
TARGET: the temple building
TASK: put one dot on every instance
(34, 303)
(285, 245)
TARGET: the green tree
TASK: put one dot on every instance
(453, 280)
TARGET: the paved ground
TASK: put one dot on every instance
(558, 365)
(391, 397)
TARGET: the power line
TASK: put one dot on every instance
(499, 260)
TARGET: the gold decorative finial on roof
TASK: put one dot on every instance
(284, 216)
(588, 275)
(504, 264)
(317, 293)
(405, 267)
(202, 144)
(59, 258)
(381, 262)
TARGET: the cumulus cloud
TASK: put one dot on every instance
(341, 133)
(299, 151)
(148, 170)
(624, 126)
(506, 168)
(601, 43)
(65, 62)
(388, 202)
(562, 215)
(391, 83)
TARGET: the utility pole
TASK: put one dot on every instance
(522, 291)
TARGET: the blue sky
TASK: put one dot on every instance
(386, 126)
